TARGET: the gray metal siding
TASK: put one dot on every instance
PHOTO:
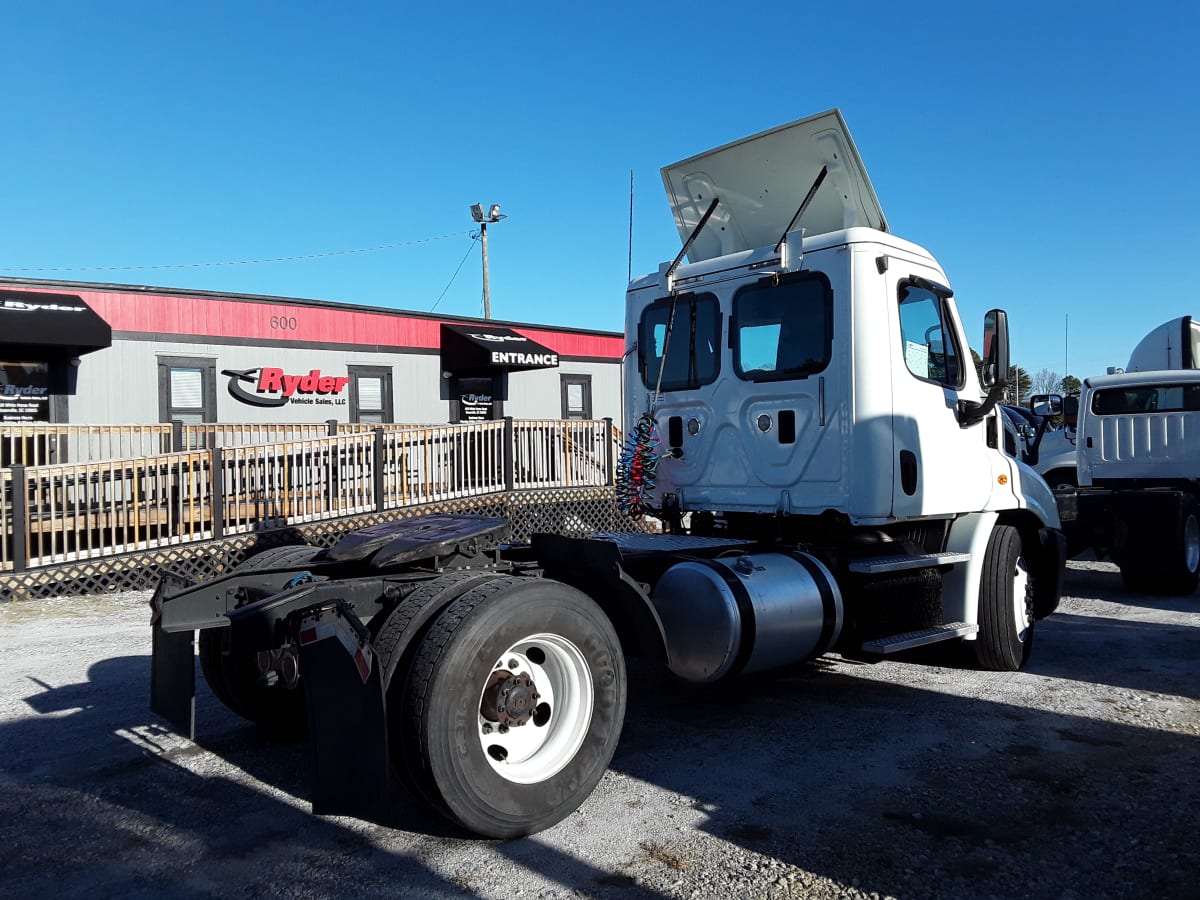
(120, 384)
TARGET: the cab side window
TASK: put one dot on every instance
(927, 339)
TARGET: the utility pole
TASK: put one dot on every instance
(492, 215)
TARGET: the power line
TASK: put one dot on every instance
(474, 238)
(236, 262)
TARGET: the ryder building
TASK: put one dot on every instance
(87, 353)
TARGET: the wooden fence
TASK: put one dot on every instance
(225, 484)
(43, 444)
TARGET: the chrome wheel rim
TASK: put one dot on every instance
(535, 708)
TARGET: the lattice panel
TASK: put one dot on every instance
(570, 511)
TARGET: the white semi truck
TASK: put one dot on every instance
(804, 417)
(1171, 345)
(1137, 457)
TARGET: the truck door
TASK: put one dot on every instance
(940, 467)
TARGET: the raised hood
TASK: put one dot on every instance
(761, 182)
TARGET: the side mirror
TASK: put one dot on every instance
(995, 348)
(1046, 404)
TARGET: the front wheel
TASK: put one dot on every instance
(1005, 636)
(513, 706)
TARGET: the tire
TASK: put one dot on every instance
(1060, 478)
(505, 750)
(395, 640)
(278, 558)
(1006, 622)
(1177, 570)
(395, 645)
(234, 680)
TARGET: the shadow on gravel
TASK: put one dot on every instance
(94, 804)
(1092, 583)
(895, 789)
(1142, 656)
(887, 787)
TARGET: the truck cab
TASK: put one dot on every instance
(813, 371)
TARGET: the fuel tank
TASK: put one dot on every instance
(742, 614)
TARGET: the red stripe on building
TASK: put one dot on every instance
(168, 314)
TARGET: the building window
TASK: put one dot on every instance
(370, 394)
(187, 390)
(576, 396)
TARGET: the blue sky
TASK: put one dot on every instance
(1044, 152)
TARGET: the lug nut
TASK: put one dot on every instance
(487, 729)
(504, 729)
(512, 664)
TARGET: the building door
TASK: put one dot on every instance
(187, 389)
(24, 392)
(370, 394)
(475, 399)
(576, 396)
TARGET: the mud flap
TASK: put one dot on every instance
(173, 678)
(347, 718)
(172, 663)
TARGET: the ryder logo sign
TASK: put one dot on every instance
(273, 387)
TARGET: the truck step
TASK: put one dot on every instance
(878, 565)
(909, 639)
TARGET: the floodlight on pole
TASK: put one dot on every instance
(484, 219)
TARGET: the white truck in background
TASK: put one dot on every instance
(1136, 453)
(1172, 345)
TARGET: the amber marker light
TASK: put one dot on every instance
(1003, 479)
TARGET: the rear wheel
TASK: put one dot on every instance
(1005, 636)
(513, 706)
(1177, 569)
(234, 680)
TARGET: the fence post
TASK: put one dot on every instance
(380, 506)
(176, 436)
(218, 491)
(332, 423)
(510, 479)
(608, 451)
(20, 518)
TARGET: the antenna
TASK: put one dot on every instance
(629, 264)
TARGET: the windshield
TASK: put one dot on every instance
(1195, 341)
(690, 343)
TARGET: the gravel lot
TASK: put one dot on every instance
(1074, 779)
